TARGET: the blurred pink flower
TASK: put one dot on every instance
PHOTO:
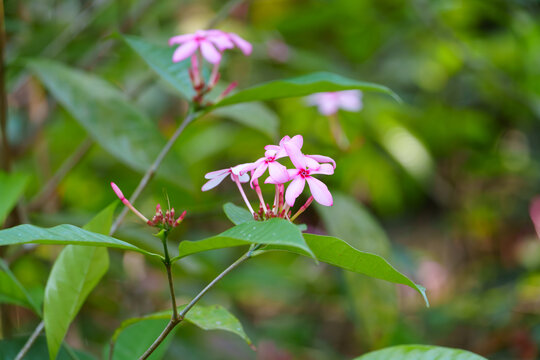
(278, 50)
(207, 41)
(534, 212)
(305, 167)
(328, 103)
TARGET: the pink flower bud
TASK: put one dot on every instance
(119, 193)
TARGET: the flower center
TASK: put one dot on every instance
(303, 173)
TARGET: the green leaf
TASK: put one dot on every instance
(274, 232)
(374, 304)
(337, 252)
(420, 352)
(110, 119)
(63, 235)
(301, 86)
(159, 58)
(237, 214)
(74, 275)
(205, 317)
(11, 188)
(12, 292)
(254, 115)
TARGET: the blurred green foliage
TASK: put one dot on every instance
(449, 173)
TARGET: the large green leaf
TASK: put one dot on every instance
(63, 235)
(274, 232)
(420, 352)
(213, 317)
(373, 302)
(301, 86)
(254, 115)
(11, 188)
(74, 275)
(159, 58)
(12, 292)
(337, 252)
(112, 121)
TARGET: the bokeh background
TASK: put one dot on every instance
(440, 185)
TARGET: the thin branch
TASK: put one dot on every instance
(30, 341)
(152, 170)
(212, 283)
(49, 188)
(170, 326)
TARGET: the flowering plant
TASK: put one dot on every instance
(266, 227)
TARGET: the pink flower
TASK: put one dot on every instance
(207, 41)
(329, 103)
(298, 140)
(278, 172)
(216, 177)
(305, 168)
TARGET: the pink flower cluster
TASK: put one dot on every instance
(210, 44)
(305, 166)
(160, 220)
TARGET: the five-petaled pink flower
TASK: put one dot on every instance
(210, 42)
(305, 168)
(328, 103)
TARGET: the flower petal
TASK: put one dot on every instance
(270, 180)
(214, 182)
(216, 173)
(259, 171)
(221, 40)
(328, 106)
(325, 169)
(320, 192)
(241, 169)
(244, 178)
(298, 140)
(242, 44)
(322, 159)
(312, 164)
(294, 190)
(180, 39)
(350, 100)
(278, 172)
(209, 52)
(297, 158)
(184, 51)
(272, 147)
